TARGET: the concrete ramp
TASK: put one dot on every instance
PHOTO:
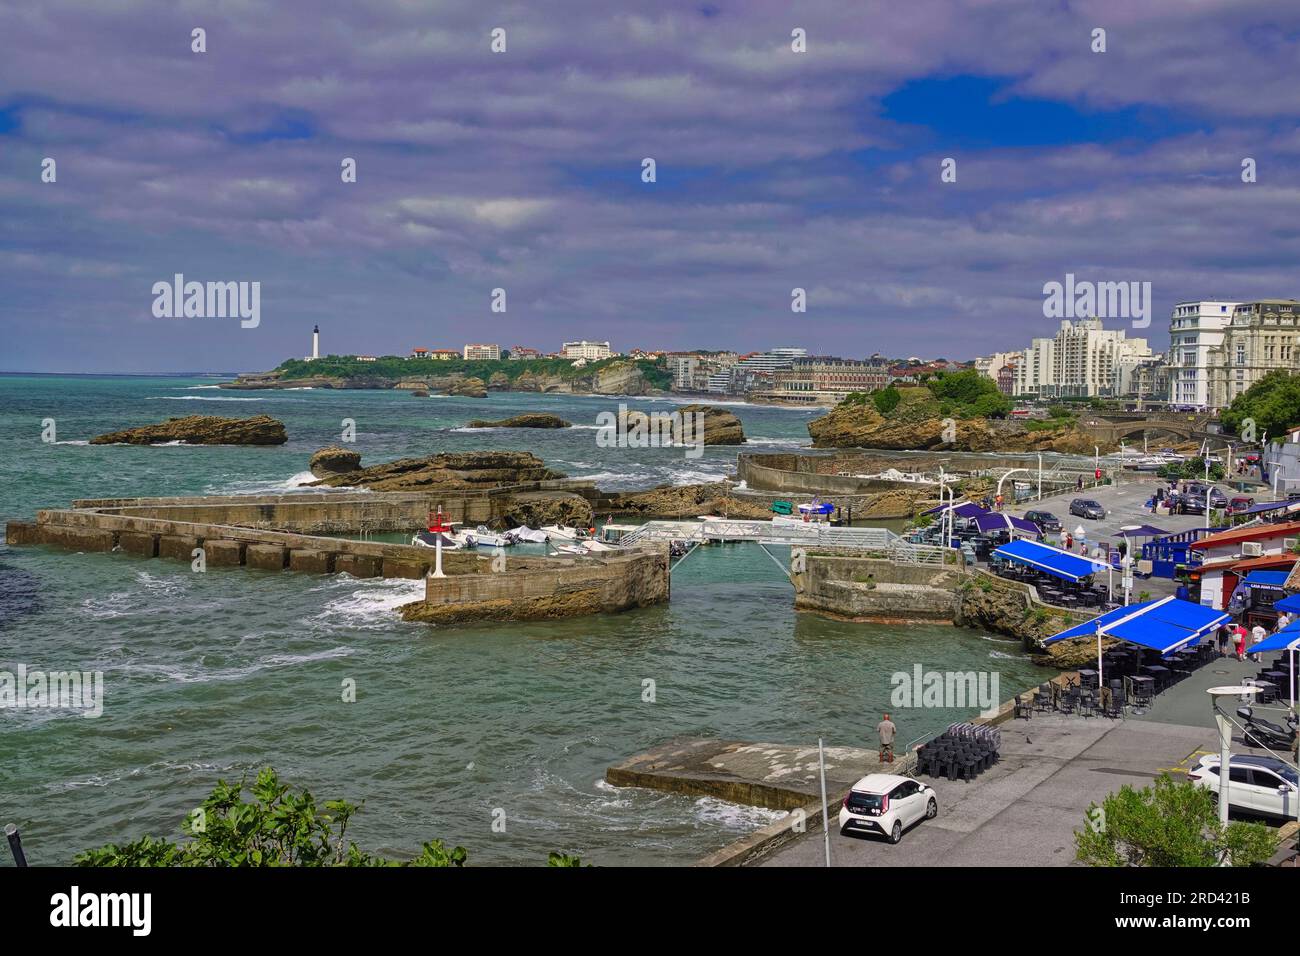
(775, 776)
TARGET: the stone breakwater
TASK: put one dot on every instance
(267, 533)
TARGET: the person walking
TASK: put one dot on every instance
(1240, 632)
(1257, 634)
(1225, 633)
(886, 730)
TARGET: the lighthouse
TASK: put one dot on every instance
(315, 341)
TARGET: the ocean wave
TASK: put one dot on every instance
(71, 443)
(182, 675)
(199, 398)
(202, 386)
(272, 486)
(373, 606)
(734, 816)
(466, 428)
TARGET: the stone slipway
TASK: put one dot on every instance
(775, 776)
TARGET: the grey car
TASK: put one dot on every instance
(1087, 508)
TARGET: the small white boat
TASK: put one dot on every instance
(586, 546)
(559, 532)
(528, 535)
(429, 539)
(483, 537)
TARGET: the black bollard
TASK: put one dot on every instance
(15, 844)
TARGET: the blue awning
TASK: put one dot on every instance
(1058, 563)
(1284, 640)
(1164, 625)
(1267, 579)
(1001, 522)
(1264, 506)
(967, 509)
(1290, 604)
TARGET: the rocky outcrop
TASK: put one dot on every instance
(533, 420)
(334, 461)
(1004, 607)
(498, 380)
(617, 378)
(419, 393)
(721, 427)
(861, 426)
(537, 508)
(687, 501)
(450, 470)
(468, 388)
(201, 430)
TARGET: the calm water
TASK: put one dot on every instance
(211, 675)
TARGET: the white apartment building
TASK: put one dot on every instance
(1083, 360)
(592, 351)
(479, 352)
(1194, 329)
(990, 365)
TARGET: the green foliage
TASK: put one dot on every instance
(395, 367)
(886, 399)
(563, 859)
(854, 398)
(1191, 469)
(1273, 403)
(1169, 824)
(968, 394)
(276, 828)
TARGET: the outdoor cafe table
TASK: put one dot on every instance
(1088, 678)
(1160, 673)
(1146, 684)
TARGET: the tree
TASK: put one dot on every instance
(1272, 403)
(1168, 824)
(970, 393)
(277, 828)
(886, 399)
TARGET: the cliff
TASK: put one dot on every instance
(201, 430)
(721, 427)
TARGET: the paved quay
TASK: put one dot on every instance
(1024, 810)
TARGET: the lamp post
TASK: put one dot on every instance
(1217, 695)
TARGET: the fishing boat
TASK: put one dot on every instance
(812, 512)
(484, 537)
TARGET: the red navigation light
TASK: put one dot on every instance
(436, 524)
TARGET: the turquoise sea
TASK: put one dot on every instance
(214, 675)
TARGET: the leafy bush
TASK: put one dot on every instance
(1273, 403)
(277, 828)
(1168, 824)
(886, 399)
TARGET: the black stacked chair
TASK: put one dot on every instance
(963, 751)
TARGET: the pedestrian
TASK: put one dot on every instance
(1283, 620)
(1069, 541)
(886, 730)
(1257, 634)
(1225, 633)
(997, 502)
(1241, 642)
(1078, 484)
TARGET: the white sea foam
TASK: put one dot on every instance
(202, 386)
(184, 675)
(372, 606)
(734, 816)
(200, 398)
(71, 443)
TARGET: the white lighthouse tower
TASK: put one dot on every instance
(315, 342)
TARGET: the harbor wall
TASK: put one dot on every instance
(877, 589)
(563, 588)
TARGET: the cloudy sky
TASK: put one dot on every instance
(522, 170)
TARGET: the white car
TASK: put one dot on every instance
(1258, 785)
(887, 804)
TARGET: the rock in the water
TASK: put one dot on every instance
(689, 501)
(450, 470)
(523, 421)
(334, 461)
(721, 427)
(201, 430)
(468, 388)
(419, 393)
(537, 508)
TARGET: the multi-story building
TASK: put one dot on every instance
(419, 353)
(1006, 379)
(1195, 328)
(992, 365)
(479, 352)
(1083, 360)
(444, 355)
(523, 353)
(753, 371)
(825, 379)
(1262, 337)
(1148, 380)
(592, 351)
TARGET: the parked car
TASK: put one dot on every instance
(1087, 508)
(1045, 520)
(1262, 786)
(1239, 504)
(1190, 504)
(1217, 498)
(887, 804)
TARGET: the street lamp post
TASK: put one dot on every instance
(1218, 695)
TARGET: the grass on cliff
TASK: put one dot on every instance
(395, 367)
(964, 394)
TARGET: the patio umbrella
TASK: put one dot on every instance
(1287, 639)
(1141, 531)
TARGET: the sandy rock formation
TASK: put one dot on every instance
(450, 470)
(721, 427)
(334, 461)
(531, 420)
(468, 388)
(201, 430)
(688, 501)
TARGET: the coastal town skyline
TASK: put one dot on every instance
(666, 179)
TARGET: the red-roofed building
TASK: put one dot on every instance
(419, 353)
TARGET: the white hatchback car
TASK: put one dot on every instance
(887, 804)
(1257, 785)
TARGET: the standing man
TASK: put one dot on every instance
(886, 730)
